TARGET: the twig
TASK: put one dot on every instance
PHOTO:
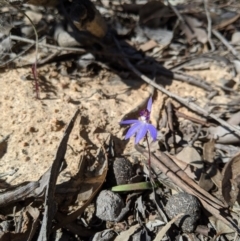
(209, 28)
(71, 49)
(226, 43)
(193, 119)
(196, 136)
(192, 80)
(18, 193)
(30, 41)
(181, 19)
(225, 23)
(175, 75)
(169, 110)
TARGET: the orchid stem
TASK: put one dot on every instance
(149, 158)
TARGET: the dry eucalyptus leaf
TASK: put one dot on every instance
(34, 16)
(125, 235)
(220, 226)
(193, 162)
(190, 156)
(192, 29)
(231, 181)
(191, 171)
(161, 36)
(223, 135)
(212, 174)
(164, 230)
(64, 38)
(235, 38)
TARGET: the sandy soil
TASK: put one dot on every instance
(35, 127)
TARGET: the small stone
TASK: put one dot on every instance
(187, 204)
(123, 170)
(108, 205)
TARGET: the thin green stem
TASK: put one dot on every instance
(149, 158)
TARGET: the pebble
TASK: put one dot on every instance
(123, 170)
(187, 204)
(108, 205)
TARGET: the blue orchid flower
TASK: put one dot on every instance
(142, 126)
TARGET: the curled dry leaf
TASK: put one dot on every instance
(231, 181)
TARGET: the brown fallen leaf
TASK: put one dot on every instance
(212, 174)
(190, 161)
(231, 181)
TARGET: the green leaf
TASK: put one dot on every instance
(135, 186)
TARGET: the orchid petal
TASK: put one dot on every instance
(149, 104)
(133, 129)
(127, 122)
(153, 131)
(141, 133)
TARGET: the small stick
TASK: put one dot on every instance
(226, 43)
(30, 41)
(209, 28)
(169, 109)
(224, 24)
(193, 119)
